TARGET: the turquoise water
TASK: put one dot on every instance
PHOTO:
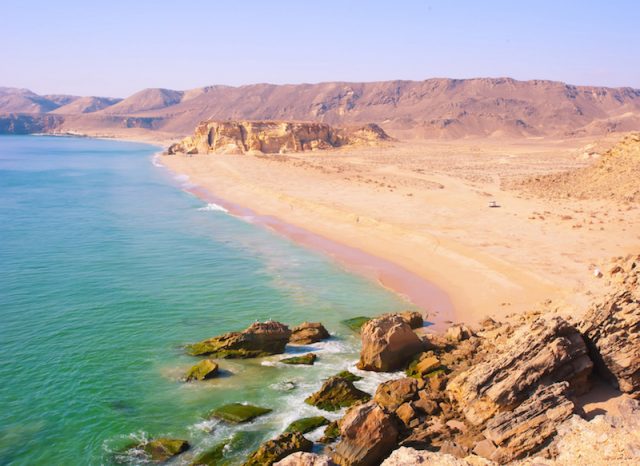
(106, 269)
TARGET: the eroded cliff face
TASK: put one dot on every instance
(273, 137)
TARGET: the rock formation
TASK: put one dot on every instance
(259, 339)
(518, 432)
(278, 449)
(368, 435)
(612, 327)
(272, 137)
(335, 393)
(205, 369)
(388, 343)
(405, 456)
(308, 332)
(544, 351)
(161, 449)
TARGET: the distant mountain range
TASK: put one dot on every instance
(434, 108)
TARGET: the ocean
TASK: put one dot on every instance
(108, 267)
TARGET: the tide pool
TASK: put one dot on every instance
(107, 268)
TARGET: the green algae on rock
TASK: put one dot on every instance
(337, 393)
(331, 433)
(278, 448)
(161, 449)
(356, 323)
(350, 376)
(238, 412)
(214, 456)
(258, 340)
(205, 369)
(305, 359)
(307, 424)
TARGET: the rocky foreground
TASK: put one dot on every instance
(273, 137)
(502, 393)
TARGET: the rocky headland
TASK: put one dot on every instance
(502, 392)
(273, 137)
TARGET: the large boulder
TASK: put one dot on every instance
(368, 435)
(391, 394)
(259, 339)
(612, 329)
(336, 393)
(520, 432)
(308, 332)
(388, 343)
(541, 352)
(278, 448)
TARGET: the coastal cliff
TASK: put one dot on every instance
(273, 137)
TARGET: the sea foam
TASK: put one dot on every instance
(212, 207)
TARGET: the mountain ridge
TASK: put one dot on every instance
(432, 108)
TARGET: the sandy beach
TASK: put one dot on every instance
(424, 205)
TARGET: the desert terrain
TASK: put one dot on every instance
(425, 205)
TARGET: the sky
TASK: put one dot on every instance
(116, 47)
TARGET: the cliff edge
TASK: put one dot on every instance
(273, 137)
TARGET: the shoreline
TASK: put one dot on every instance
(435, 304)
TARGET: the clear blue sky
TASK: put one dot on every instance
(116, 47)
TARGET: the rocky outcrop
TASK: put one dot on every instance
(544, 351)
(279, 448)
(260, 339)
(29, 123)
(305, 459)
(368, 435)
(413, 318)
(272, 137)
(336, 393)
(308, 332)
(161, 449)
(307, 424)
(388, 343)
(612, 328)
(519, 432)
(205, 369)
(390, 395)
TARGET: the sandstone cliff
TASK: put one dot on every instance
(273, 137)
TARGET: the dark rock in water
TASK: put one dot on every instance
(336, 393)
(612, 328)
(260, 339)
(307, 424)
(388, 343)
(331, 433)
(355, 323)
(162, 449)
(391, 394)
(205, 369)
(212, 457)
(238, 412)
(541, 352)
(308, 332)
(305, 359)
(279, 448)
(519, 432)
(368, 435)
(350, 376)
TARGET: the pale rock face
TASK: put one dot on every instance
(544, 351)
(272, 137)
(387, 344)
(612, 328)
(305, 459)
(405, 456)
